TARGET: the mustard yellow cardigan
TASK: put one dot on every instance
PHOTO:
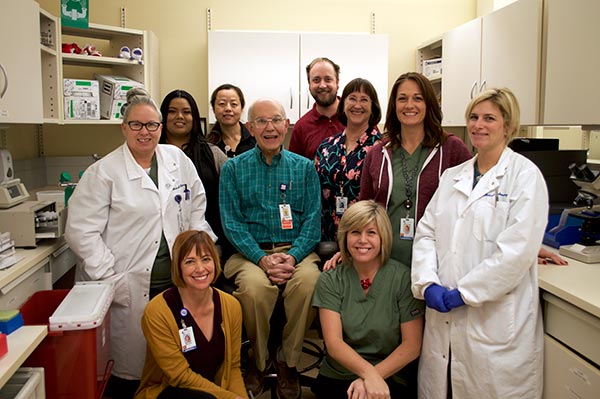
(165, 364)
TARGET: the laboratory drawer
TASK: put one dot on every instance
(572, 326)
(26, 383)
(61, 261)
(15, 293)
(566, 375)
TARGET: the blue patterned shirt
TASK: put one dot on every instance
(250, 194)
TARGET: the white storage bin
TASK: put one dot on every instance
(26, 383)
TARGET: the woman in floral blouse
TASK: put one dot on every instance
(339, 158)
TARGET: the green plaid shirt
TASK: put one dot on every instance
(250, 194)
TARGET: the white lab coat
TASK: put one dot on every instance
(114, 225)
(483, 241)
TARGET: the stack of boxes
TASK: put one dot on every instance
(81, 99)
(113, 94)
(94, 99)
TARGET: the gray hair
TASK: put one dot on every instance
(139, 96)
(261, 100)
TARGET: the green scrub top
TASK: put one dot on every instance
(371, 323)
(402, 249)
(161, 269)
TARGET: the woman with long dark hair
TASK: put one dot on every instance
(182, 128)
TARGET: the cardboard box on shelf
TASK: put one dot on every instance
(113, 94)
(432, 68)
(81, 99)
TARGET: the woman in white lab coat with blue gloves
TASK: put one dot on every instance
(123, 219)
(474, 263)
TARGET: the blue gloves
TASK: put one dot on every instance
(434, 298)
(452, 299)
(442, 299)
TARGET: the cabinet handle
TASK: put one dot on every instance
(8, 287)
(291, 98)
(5, 81)
(59, 251)
(482, 85)
(473, 88)
(307, 98)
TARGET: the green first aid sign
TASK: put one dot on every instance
(75, 13)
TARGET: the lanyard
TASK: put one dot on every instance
(409, 178)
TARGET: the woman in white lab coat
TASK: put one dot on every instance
(474, 263)
(123, 219)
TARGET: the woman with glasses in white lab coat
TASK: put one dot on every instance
(474, 263)
(123, 219)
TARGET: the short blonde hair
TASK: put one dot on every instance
(183, 245)
(508, 105)
(357, 216)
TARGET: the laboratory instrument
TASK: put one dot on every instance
(588, 248)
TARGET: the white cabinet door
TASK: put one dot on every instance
(273, 64)
(262, 64)
(501, 49)
(359, 55)
(511, 52)
(572, 84)
(461, 70)
(20, 63)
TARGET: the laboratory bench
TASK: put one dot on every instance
(571, 305)
(37, 269)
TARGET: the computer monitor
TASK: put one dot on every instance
(520, 144)
(554, 165)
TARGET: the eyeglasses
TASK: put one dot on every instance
(262, 123)
(136, 126)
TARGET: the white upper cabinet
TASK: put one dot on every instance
(261, 64)
(358, 55)
(20, 63)
(461, 70)
(571, 83)
(258, 73)
(501, 49)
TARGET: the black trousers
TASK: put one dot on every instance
(120, 388)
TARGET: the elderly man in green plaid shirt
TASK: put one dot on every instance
(270, 211)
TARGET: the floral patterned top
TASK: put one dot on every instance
(339, 174)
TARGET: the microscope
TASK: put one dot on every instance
(588, 248)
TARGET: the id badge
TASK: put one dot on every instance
(407, 228)
(341, 204)
(285, 214)
(188, 342)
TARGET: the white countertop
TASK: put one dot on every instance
(29, 258)
(577, 283)
(21, 343)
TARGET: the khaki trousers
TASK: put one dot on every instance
(258, 297)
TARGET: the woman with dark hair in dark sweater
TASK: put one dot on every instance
(182, 128)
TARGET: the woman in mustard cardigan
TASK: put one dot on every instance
(193, 331)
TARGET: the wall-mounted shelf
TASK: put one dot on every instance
(108, 41)
(51, 74)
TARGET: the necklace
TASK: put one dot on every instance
(409, 179)
(365, 284)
